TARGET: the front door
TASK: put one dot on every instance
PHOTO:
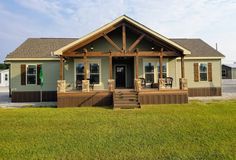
(120, 76)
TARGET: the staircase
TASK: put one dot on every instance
(125, 99)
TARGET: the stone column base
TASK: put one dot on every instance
(183, 85)
(137, 85)
(85, 85)
(161, 83)
(111, 85)
(61, 86)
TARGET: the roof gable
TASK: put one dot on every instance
(113, 25)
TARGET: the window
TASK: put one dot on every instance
(94, 73)
(80, 72)
(164, 70)
(223, 73)
(149, 72)
(93, 68)
(6, 77)
(203, 71)
(31, 73)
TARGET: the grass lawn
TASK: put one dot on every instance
(192, 131)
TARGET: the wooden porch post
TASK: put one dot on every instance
(61, 68)
(160, 64)
(110, 66)
(182, 67)
(85, 65)
(136, 66)
(123, 38)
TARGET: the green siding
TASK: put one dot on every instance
(50, 72)
(189, 74)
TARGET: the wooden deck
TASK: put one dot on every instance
(105, 98)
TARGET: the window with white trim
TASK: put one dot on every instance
(203, 71)
(6, 77)
(149, 72)
(164, 70)
(79, 72)
(94, 70)
(31, 74)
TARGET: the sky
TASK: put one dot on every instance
(214, 21)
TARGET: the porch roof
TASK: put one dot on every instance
(117, 21)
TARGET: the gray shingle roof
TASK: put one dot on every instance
(198, 48)
(39, 47)
(43, 47)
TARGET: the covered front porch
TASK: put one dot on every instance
(123, 55)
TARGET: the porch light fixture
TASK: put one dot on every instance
(91, 48)
(152, 48)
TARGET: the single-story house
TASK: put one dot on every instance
(4, 78)
(229, 71)
(123, 63)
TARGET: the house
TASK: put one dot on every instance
(123, 63)
(4, 78)
(229, 71)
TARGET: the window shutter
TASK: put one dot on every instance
(23, 74)
(196, 72)
(38, 74)
(209, 72)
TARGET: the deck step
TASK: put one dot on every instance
(125, 99)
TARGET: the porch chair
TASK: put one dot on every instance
(79, 85)
(143, 82)
(91, 83)
(168, 82)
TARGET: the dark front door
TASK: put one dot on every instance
(120, 76)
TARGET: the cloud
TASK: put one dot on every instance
(207, 19)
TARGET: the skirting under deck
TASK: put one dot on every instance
(33, 96)
(77, 99)
(164, 97)
(201, 92)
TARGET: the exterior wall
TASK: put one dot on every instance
(3, 82)
(233, 73)
(50, 73)
(228, 72)
(189, 73)
(202, 88)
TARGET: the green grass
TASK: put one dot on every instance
(192, 131)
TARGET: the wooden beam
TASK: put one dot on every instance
(140, 53)
(135, 43)
(92, 38)
(85, 67)
(150, 38)
(136, 66)
(112, 42)
(110, 66)
(182, 67)
(123, 38)
(160, 65)
(61, 68)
